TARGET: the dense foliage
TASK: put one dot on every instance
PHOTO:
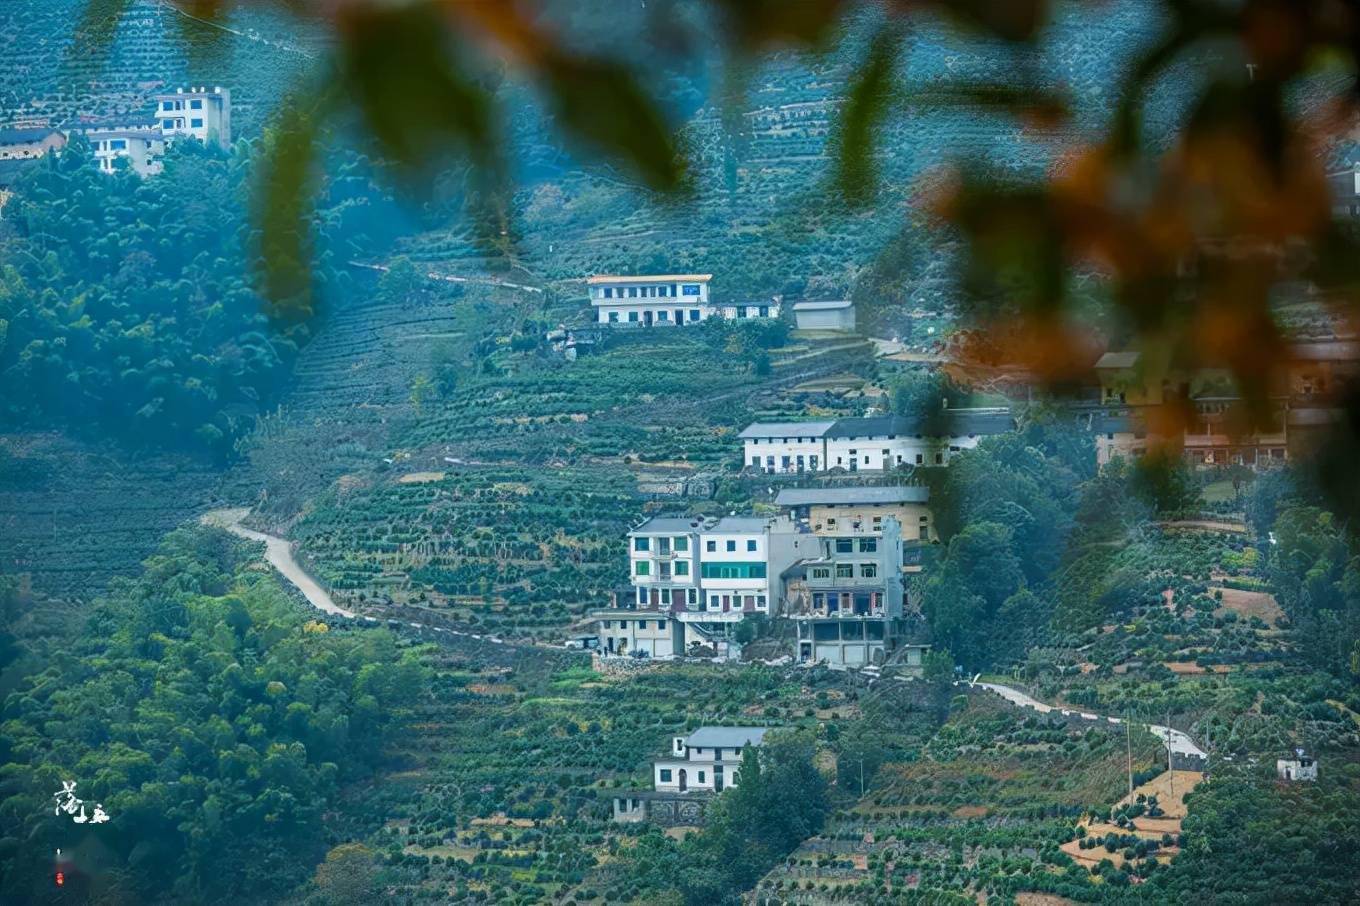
(212, 720)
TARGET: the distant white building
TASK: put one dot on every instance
(201, 113)
(835, 315)
(132, 142)
(868, 444)
(699, 766)
(642, 301)
(1300, 766)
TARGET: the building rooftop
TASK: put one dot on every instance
(25, 135)
(669, 524)
(947, 423)
(726, 737)
(786, 429)
(852, 495)
(1115, 424)
(1118, 359)
(743, 524)
(823, 306)
(599, 279)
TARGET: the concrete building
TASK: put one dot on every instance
(838, 315)
(699, 767)
(1299, 766)
(859, 510)
(29, 142)
(868, 444)
(743, 311)
(646, 301)
(132, 142)
(847, 599)
(201, 113)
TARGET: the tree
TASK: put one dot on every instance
(348, 877)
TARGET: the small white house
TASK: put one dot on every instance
(835, 315)
(706, 760)
(1301, 766)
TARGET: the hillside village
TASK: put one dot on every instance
(660, 562)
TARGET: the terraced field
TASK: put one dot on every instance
(981, 812)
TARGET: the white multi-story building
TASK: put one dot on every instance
(644, 301)
(137, 140)
(201, 113)
(868, 444)
(699, 766)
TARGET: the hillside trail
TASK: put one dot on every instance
(1179, 743)
(279, 554)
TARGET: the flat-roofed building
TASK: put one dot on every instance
(132, 142)
(838, 315)
(647, 301)
(861, 510)
(201, 113)
(29, 142)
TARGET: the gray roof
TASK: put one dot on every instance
(822, 306)
(1114, 424)
(946, 423)
(745, 524)
(726, 737)
(669, 524)
(1118, 360)
(10, 136)
(786, 429)
(850, 495)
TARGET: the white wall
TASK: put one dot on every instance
(779, 448)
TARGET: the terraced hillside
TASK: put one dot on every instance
(57, 65)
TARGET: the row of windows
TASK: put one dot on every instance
(846, 571)
(664, 291)
(641, 624)
(179, 124)
(694, 315)
(754, 570)
(812, 440)
(677, 596)
(179, 105)
(681, 545)
(644, 568)
(112, 144)
(719, 602)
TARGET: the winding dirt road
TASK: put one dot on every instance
(279, 553)
(1178, 742)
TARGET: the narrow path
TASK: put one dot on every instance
(1178, 742)
(279, 553)
(451, 278)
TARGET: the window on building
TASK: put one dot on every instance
(845, 570)
(632, 292)
(663, 316)
(632, 316)
(167, 124)
(642, 596)
(868, 545)
(760, 601)
(195, 105)
(750, 570)
(681, 543)
(166, 105)
(939, 459)
(755, 461)
(694, 314)
(642, 544)
(196, 123)
(118, 144)
(693, 596)
(665, 775)
(644, 568)
(682, 567)
(613, 317)
(821, 572)
(750, 544)
(609, 292)
(831, 522)
(868, 570)
(731, 545)
(845, 545)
